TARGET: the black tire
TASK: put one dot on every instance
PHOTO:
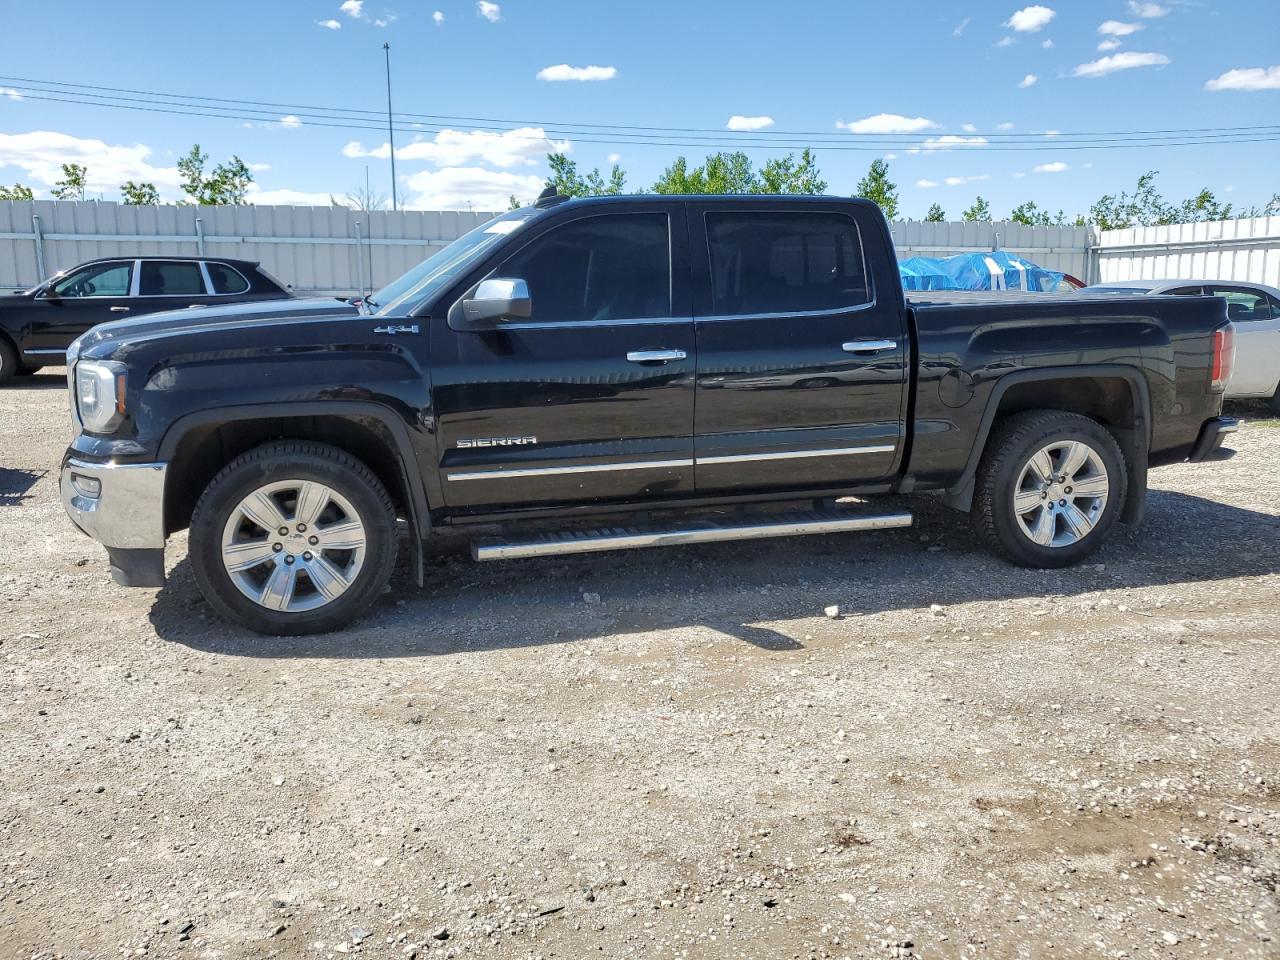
(10, 365)
(27, 370)
(1013, 443)
(287, 461)
(1275, 401)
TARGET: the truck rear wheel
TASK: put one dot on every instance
(1050, 486)
(9, 363)
(293, 538)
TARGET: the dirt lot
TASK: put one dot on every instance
(658, 754)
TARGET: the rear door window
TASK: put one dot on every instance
(170, 278)
(1244, 305)
(225, 279)
(766, 262)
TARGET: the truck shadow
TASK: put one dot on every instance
(737, 590)
(15, 484)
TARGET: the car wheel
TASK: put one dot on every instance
(293, 538)
(1275, 400)
(27, 370)
(9, 363)
(1050, 486)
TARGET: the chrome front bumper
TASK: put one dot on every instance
(118, 504)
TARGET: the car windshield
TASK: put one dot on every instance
(404, 295)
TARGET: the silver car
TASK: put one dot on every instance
(1254, 309)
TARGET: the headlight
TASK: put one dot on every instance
(100, 394)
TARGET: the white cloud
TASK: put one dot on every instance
(888, 123)
(562, 71)
(329, 24)
(739, 122)
(1120, 61)
(960, 27)
(1147, 11)
(41, 154)
(947, 142)
(352, 8)
(1006, 42)
(1019, 175)
(386, 20)
(438, 17)
(1251, 78)
(960, 181)
(1047, 44)
(1030, 19)
(1053, 133)
(11, 93)
(614, 158)
(290, 122)
(490, 11)
(458, 187)
(1111, 44)
(891, 156)
(286, 197)
(1004, 126)
(927, 184)
(1115, 28)
(522, 147)
(1056, 166)
(1029, 80)
(969, 128)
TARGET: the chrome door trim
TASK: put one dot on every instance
(791, 314)
(869, 346)
(505, 474)
(46, 352)
(655, 356)
(798, 454)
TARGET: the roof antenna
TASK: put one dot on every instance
(549, 198)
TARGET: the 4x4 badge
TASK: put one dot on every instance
(413, 328)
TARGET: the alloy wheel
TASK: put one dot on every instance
(293, 545)
(1061, 493)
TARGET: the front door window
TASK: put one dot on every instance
(97, 280)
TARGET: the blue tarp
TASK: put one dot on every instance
(993, 270)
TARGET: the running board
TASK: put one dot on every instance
(709, 531)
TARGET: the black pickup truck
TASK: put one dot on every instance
(624, 372)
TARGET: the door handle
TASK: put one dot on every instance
(869, 346)
(119, 309)
(655, 356)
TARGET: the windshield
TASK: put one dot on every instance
(403, 296)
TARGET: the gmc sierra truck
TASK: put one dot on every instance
(624, 372)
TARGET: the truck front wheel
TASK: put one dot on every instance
(1050, 486)
(293, 538)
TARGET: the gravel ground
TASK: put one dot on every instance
(659, 754)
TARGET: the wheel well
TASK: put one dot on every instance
(1109, 400)
(206, 449)
(1112, 401)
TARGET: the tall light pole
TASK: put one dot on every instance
(391, 130)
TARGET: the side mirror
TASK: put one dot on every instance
(495, 301)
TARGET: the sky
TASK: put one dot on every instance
(940, 89)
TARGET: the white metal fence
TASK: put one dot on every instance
(1225, 250)
(316, 249)
(336, 250)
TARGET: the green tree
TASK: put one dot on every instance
(935, 215)
(71, 186)
(789, 176)
(569, 183)
(513, 203)
(1030, 215)
(16, 192)
(140, 194)
(721, 173)
(228, 183)
(1142, 208)
(979, 212)
(877, 186)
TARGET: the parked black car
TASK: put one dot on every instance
(37, 325)
(718, 368)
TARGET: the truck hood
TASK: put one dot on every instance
(172, 322)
